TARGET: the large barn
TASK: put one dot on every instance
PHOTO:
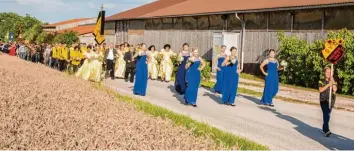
(250, 25)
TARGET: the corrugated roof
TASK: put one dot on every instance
(67, 22)
(80, 30)
(144, 9)
(191, 7)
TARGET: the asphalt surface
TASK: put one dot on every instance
(285, 126)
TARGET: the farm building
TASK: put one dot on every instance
(251, 25)
(82, 26)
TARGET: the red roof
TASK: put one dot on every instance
(191, 7)
(163, 8)
(142, 10)
(66, 22)
(80, 30)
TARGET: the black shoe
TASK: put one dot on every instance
(272, 105)
(327, 134)
(194, 105)
(232, 104)
(126, 80)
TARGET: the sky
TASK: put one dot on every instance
(52, 11)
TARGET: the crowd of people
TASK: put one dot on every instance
(140, 63)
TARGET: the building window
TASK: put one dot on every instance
(189, 23)
(255, 20)
(339, 17)
(280, 20)
(233, 23)
(167, 23)
(157, 24)
(216, 22)
(177, 23)
(308, 19)
(202, 22)
(149, 24)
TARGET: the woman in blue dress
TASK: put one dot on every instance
(180, 79)
(271, 79)
(219, 83)
(140, 84)
(231, 73)
(194, 66)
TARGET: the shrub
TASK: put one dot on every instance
(306, 63)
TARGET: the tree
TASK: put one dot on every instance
(68, 37)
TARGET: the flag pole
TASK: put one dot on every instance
(331, 87)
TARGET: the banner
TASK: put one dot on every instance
(333, 50)
(99, 28)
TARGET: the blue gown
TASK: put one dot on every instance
(219, 83)
(140, 84)
(230, 83)
(180, 80)
(271, 83)
(193, 77)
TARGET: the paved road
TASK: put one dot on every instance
(286, 126)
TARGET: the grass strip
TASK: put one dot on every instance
(199, 129)
(256, 78)
(210, 84)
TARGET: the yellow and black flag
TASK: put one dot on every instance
(99, 28)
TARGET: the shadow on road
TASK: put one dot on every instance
(179, 97)
(334, 142)
(214, 97)
(250, 98)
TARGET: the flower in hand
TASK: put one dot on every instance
(191, 59)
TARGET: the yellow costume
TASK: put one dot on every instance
(120, 65)
(166, 65)
(153, 65)
(75, 56)
(54, 53)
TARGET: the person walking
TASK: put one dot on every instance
(130, 65)
(180, 80)
(271, 79)
(22, 51)
(194, 66)
(219, 80)
(140, 85)
(231, 71)
(324, 90)
(110, 61)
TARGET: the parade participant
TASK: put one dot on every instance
(120, 64)
(153, 64)
(194, 66)
(324, 86)
(140, 85)
(231, 73)
(47, 56)
(12, 50)
(130, 65)
(55, 51)
(84, 71)
(180, 80)
(96, 66)
(75, 58)
(166, 65)
(219, 60)
(126, 47)
(64, 57)
(110, 61)
(271, 79)
(83, 49)
(22, 51)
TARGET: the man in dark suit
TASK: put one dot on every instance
(110, 56)
(130, 65)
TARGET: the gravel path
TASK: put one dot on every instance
(286, 126)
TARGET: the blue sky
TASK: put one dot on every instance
(59, 10)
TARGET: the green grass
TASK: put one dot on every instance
(210, 84)
(199, 129)
(256, 78)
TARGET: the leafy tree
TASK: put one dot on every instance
(68, 37)
(44, 37)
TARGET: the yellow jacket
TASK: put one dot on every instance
(54, 52)
(75, 56)
(64, 54)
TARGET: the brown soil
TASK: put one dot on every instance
(41, 108)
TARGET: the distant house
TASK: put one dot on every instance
(207, 24)
(82, 26)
